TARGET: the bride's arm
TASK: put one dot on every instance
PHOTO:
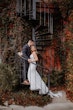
(35, 57)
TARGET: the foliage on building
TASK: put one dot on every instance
(14, 32)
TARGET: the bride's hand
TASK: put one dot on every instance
(29, 60)
(20, 54)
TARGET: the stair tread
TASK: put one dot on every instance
(48, 33)
(40, 27)
(42, 40)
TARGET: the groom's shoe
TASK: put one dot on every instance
(25, 82)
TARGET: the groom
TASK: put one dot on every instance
(26, 54)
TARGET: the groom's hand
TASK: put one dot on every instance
(29, 60)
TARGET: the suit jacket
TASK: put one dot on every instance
(26, 54)
(26, 51)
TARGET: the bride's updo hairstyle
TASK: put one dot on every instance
(33, 48)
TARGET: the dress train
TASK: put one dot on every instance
(36, 82)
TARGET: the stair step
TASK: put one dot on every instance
(43, 40)
(40, 27)
(41, 49)
(42, 5)
(44, 37)
(42, 45)
(44, 34)
(33, 22)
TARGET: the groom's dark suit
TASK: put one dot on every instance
(26, 54)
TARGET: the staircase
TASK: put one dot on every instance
(38, 15)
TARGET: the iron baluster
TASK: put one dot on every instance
(34, 9)
(29, 9)
(20, 7)
(44, 14)
(48, 21)
(24, 7)
(49, 80)
(17, 6)
(40, 14)
(51, 24)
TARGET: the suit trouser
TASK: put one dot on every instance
(25, 70)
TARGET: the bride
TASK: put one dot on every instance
(35, 80)
(36, 83)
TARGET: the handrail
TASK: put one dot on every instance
(34, 63)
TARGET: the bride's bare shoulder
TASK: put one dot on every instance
(35, 56)
(34, 52)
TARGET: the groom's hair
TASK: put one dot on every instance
(30, 40)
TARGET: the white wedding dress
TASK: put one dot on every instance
(36, 82)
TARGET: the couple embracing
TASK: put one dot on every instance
(30, 75)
